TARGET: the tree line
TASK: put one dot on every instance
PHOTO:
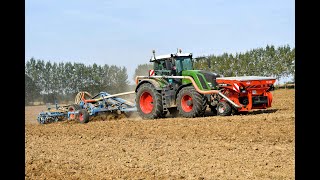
(269, 61)
(48, 82)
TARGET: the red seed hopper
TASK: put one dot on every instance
(247, 92)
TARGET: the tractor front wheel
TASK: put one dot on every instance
(149, 102)
(190, 102)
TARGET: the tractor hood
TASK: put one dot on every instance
(210, 77)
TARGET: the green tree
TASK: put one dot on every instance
(32, 91)
(270, 61)
(121, 80)
(142, 70)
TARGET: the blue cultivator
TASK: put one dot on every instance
(52, 115)
(87, 106)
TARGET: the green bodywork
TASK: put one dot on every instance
(195, 74)
(162, 82)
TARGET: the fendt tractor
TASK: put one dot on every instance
(174, 86)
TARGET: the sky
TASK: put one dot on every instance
(124, 32)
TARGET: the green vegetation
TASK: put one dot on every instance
(270, 61)
(47, 82)
(142, 70)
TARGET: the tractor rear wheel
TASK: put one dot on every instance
(190, 102)
(83, 116)
(224, 109)
(149, 102)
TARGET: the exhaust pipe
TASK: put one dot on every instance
(195, 86)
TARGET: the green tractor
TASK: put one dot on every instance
(174, 86)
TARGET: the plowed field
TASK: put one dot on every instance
(258, 145)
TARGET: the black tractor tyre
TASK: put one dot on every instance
(149, 102)
(83, 116)
(204, 105)
(190, 102)
(224, 109)
(163, 115)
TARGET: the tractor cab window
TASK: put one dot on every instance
(157, 65)
(183, 63)
(168, 63)
(163, 64)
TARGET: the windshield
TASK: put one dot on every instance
(183, 63)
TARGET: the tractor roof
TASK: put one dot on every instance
(166, 56)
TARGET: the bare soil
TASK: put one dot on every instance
(258, 145)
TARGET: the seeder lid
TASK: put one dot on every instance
(246, 78)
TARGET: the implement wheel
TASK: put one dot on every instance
(149, 102)
(190, 102)
(83, 116)
(224, 109)
(73, 108)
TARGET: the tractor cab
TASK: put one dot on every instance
(172, 64)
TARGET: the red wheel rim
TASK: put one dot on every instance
(184, 103)
(71, 115)
(146, 102)
(80, 116)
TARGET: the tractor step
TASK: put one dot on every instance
(164, 102)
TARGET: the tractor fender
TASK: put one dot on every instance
(151, 81)
(185, 85)
(180, 87)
